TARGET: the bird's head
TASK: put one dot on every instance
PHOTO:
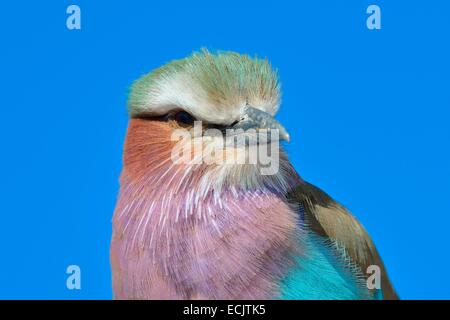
(218, 109)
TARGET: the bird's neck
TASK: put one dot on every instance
(196, 241)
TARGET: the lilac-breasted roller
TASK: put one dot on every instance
(212, 224)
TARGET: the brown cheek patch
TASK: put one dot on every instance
(147, 142)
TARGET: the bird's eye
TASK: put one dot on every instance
(184, 117)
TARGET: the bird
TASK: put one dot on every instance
(193, 229)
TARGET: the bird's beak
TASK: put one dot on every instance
(257, 119)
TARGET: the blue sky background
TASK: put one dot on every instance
(368, 112)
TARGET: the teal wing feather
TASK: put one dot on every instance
(337, 252)
(320, 273)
